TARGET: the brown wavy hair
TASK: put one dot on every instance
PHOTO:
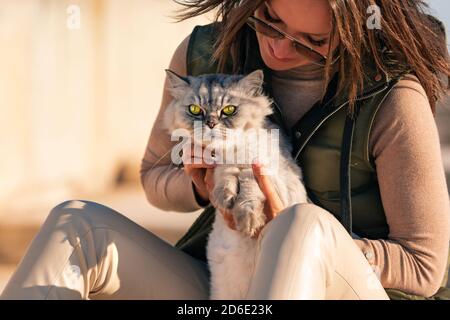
(414, 39)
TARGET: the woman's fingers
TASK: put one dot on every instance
(196, 167)
(198, 177)
(273, 200)
(209, 179)
(201, 166)
(195, 159)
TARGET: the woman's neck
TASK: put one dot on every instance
(304, 72)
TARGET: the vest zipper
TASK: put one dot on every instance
(369, 95)
(278, 108)
(283, 122)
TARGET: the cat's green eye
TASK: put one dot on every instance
(229, 110)
(195, 109)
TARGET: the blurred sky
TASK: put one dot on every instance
(441, 8)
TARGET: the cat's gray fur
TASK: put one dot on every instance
(231, 254)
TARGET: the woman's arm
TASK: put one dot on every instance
(166, 186)
(405, 145)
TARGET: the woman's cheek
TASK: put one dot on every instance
(271, 62)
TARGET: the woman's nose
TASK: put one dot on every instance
(282, 48)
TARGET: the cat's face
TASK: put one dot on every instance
(217, 103)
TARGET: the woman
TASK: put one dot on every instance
(319, 53)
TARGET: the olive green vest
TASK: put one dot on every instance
(317, 140)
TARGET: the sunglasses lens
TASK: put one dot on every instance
(270, 32)
(264, 29)
(309, 54)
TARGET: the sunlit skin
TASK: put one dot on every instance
(309, 21)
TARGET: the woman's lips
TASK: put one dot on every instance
(272, 53)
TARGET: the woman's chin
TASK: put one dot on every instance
(279, 65)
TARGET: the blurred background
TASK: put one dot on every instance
(80, 86)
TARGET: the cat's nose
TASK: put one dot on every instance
(211, 124)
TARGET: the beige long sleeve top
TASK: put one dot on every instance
(405, 144)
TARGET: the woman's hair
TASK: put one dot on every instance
(414, 40)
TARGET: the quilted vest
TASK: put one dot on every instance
(317, 139)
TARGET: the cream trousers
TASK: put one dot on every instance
(85, 250)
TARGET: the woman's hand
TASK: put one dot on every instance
(198, 174)
(272, 206)
(197, 169)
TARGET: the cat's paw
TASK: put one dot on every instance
(225, 198)
(249, 217)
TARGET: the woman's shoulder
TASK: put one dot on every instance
(178, 61)
(407, 89)
(202, 37)
(406, 112)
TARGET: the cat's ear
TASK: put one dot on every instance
(253, 82)
(177, 84)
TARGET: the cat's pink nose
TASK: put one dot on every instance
(211, 124)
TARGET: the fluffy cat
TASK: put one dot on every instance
(222, 103)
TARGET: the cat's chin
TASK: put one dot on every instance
(211, 149)
(213, 143)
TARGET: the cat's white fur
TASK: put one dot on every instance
(231, 253)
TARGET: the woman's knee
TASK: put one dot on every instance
(302, 213)
(302, 216)
(79, 214)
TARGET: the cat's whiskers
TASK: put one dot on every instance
(160, 158)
